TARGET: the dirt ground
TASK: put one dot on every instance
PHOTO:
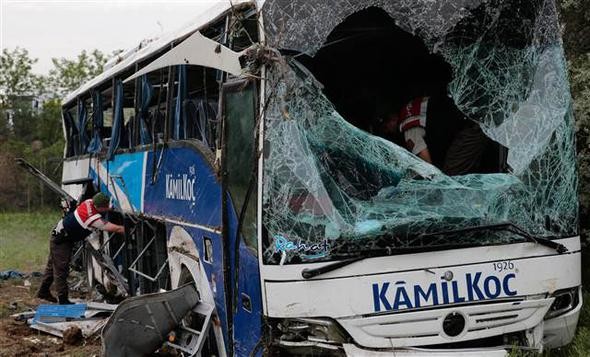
(17, 339)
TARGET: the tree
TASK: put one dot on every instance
(67, 74)
(49, 126)
(18, 86)
(580, 86)
(16, 76)
(575, 15)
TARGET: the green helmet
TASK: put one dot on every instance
(100, 200)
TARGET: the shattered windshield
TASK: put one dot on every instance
(335, 183)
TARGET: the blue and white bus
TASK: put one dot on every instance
(244, 155)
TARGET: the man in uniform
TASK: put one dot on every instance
(74, 227)
(434, 129)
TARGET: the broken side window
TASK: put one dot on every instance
(95, 145)
(195, 105)
(83, 125)
(70, 116)
(107, 115)
(118, 133)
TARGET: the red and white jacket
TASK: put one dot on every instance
(78, 225)
(413, 114)
(86, 214)
(412, 123)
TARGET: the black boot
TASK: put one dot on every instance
(63, 300)
(45, 294)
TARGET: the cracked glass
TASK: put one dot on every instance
(332, 189)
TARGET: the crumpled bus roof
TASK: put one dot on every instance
(145, 50)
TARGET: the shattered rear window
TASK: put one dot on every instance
(332, 189)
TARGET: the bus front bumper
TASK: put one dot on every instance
(527, 324)
(352, 350)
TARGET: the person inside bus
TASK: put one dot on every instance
(432, 126)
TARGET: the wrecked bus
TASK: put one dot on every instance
(241, 154)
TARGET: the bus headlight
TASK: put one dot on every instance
(319, 332)
(565, 301)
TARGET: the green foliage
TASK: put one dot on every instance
(24, 121)
(49, 127)
(575, 16)
(16, 76)
(35, 134)
(18, 189)
(580, 82)
(68, 74)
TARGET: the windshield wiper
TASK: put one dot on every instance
(356, 256)
(509, 227)
(309, 273)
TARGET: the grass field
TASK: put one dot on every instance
(24, 240)
(24, 246)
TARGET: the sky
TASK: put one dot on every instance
(63, 28)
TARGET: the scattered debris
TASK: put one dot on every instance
(61, 320)
(15, 274)
(73, 335)
(58, 313)
(17, 338)
(23, 316)
(33, 340)
(88, 327)
(11, 274)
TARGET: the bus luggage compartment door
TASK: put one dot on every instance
(141, 324)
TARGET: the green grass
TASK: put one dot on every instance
(24, 240)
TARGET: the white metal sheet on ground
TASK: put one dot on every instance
(88, 327)
(101, 306)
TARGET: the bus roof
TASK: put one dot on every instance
(143, 50)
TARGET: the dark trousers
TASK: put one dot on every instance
(58, 268)
(464, 155)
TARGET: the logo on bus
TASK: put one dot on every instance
(306, 250)
(397, 296)
(181, 187)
